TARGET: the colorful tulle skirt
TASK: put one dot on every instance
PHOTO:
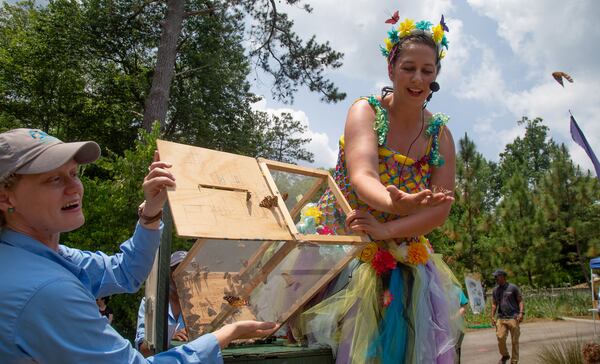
(407, 314)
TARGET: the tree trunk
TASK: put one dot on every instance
(157, 102)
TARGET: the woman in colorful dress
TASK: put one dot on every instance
(396, 168)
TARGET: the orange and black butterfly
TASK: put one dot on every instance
(268, 202)
(235, 301)
(558, 76)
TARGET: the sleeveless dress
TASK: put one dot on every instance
(397, 305)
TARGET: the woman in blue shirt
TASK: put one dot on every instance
(48, 312)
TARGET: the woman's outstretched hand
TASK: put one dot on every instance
(244, 330)
(408, 203)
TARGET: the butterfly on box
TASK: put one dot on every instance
(236, 301)
(268, 202)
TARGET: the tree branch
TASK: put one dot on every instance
(273, 27)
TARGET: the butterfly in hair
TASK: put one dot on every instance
(268, 202)
(236, 301)
(394, 19)
(443, 24)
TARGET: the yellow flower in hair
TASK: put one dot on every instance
(388, 44)
(442, 54)
(368, 253)
(417, 254)
(438, 33)
(406, 27)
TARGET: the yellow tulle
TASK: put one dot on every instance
(329, 321)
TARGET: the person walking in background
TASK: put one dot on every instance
(507, 314)
(176, 326)
(104, 309)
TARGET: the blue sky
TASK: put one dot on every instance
(497, 70)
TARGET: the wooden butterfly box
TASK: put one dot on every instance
(249, 261)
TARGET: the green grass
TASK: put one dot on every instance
(561, 352)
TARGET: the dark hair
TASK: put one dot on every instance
(416, 37)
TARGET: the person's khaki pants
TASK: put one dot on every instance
(503, 327)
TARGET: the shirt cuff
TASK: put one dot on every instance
(207, 349)
(140, 226)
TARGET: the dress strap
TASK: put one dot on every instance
(434, 130)
(381, 123)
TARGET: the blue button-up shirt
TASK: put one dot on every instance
(48, 312)
(173, 325)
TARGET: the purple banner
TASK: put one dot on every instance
(579, 138)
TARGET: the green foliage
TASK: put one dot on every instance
(471, 212)
(534, 213)
(82, 70)
(50, 78)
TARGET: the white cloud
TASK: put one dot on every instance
(486, 83)
(490, 133)
(324, 156)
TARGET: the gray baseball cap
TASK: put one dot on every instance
(32, 151)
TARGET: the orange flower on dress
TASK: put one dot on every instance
(417, 254)
(368, 252)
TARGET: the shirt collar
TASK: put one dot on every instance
(25, 242)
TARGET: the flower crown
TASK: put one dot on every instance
(408, 27)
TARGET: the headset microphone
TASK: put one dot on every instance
(434, 87)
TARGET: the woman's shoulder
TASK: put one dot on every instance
(368, 113)
(371, 102)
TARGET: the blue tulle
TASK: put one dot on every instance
(391, 343)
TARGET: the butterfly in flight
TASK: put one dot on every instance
(558, 76)
(235, 301)
(394, 19)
